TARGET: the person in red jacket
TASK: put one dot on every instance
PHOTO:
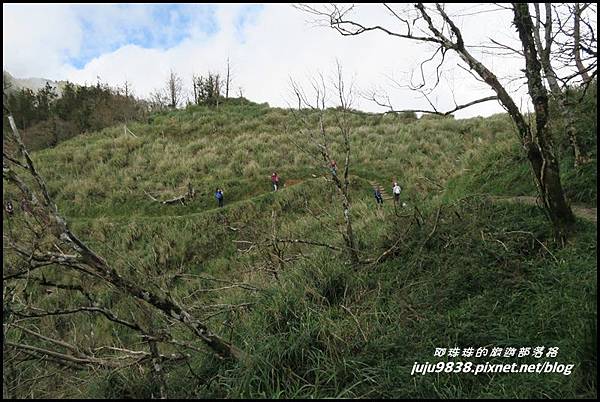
(275, 181)
(333, 167)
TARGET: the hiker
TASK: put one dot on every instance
(9, 208)
(275, 181)
(219, 196)
(378, 196)
(396, 190)
(333, 167)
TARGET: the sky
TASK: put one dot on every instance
(267, 44)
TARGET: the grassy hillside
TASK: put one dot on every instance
(237, 148)
(468, 272)
(503, 168)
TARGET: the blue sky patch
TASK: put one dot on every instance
(106, 28)
(247, 17)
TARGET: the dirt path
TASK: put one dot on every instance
(287, 183)
(581, 211)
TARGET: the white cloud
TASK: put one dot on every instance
(277, 44)
(38, 38)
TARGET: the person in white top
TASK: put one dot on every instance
(396, 190)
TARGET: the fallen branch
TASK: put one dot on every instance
(105, 312)
(191, 193)
(432, 182)
(96, 264)
(536, 239)
(314, 243)
(437, 219)
(356, 321)
(64, 357)
(127, 130)
(300, 241)
(242, 285)
(386, 253)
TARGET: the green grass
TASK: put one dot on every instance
(504, 170)
(484, 274)
(106, 173)
(462, 289)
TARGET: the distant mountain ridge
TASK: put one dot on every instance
(32, 83)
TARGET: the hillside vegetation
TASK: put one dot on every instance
(238, 147)
(54, 112)
(461, 270)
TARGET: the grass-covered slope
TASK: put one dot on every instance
(503, 168)
(329, 331)
(466, 272)
(237, 147)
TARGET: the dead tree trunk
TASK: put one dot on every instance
(227, 79)
(322, 145)
(540, 152)
(577, 43)
(538, 145)
(345, 130)
(195, 88)
(448, 36)
(349, 238)
(545, 50)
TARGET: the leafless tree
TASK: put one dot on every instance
(570, 41)
(547, 53)
(127, 88)
(584, 39)
(174, 89)
(228, 78)
(158, 100)
(195, 88)
(42, 254)
(430, 23)
(218, 86)
(6, 82)
(320, 140)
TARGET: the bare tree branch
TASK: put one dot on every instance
(96, 264)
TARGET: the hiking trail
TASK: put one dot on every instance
(581, 211)
(384, 194)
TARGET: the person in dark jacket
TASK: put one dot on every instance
(219, 197)
(9, 208)
(378, 196)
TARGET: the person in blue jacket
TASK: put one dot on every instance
(378, 196)
(219, 197)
